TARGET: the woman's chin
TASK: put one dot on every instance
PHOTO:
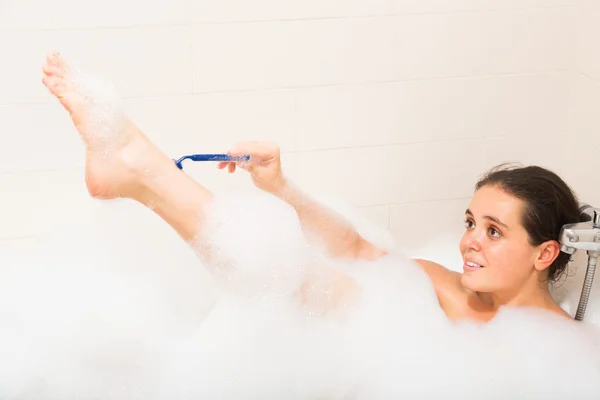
(474, 282)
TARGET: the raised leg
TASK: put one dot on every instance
(121, 162)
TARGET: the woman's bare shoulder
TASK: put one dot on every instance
(443, 279)
(452, 296)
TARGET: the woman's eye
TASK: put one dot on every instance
(494, 232)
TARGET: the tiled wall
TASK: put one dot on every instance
(395, 105)
(584, 154)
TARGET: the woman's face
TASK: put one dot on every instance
(497, 255)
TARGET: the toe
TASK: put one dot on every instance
(55, 85)
(52, 70)
(52, 58)
(55, 61)
(60, 62)
(47, 81)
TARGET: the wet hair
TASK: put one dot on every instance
(549, 204)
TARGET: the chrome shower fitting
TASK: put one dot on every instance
(584, 235)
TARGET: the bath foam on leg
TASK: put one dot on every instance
(256, 244)
(259, 245)
(255, 342)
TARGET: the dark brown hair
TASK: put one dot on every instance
(549, 204)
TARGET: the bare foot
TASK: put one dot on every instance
(118, 155)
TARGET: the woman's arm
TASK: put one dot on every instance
(320, 222)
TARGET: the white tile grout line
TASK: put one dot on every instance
(15, 238)
(316, 150)
(279, 20)
(589, 77)
(50, 102)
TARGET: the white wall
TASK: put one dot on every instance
(396, 105)
(585, 105)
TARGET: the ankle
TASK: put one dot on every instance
(145, 167)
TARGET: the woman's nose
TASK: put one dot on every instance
(473, 240)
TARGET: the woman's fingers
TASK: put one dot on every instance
(230, 166)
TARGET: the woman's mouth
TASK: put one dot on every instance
(470, 266)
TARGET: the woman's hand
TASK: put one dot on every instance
(264, 165)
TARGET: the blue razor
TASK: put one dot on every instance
(211, 157)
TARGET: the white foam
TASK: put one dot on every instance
(94, 312)
(125, 310)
